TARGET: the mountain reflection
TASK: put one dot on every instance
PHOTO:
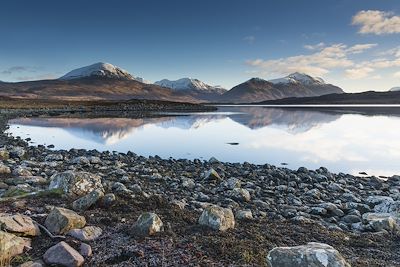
(112, 130)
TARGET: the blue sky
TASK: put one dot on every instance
(354, 44)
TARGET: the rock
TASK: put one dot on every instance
(240, 194)
(4, 154)
(212, 175)
(232, 183)
(22, 171)
(310, 255)
(108, 200)
(94, 160)
(188, 183)
(86, 234)
(244, 215)
(12, 245)
(17, 152)
(18, 224)
(85, 250)
(351, 219)
(61, 220)
(217, 218)
(76, 184)
(64, 255)
(88, 200)
(148, 223)
(4, 169)
(32, 264)
(381, 221)
(213, 160)
(80, 160)
(54, 157)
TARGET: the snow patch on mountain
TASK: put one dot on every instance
(100, 70)
(187, 84)
(298, 78)
(395, 88)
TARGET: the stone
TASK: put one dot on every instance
(4, 169)
(22, 171)
(212, 175)
(108, 200)
(88, 200)
(86, 234)
(80, 160)
(54, 157)
(381, 221)
(63, 254)
(240, 194)
(12, 245)
(188, 183)
(232, 183)
(85, 250)
(351, 219)
(76, 184)
(61, 220)
(17, 152)
(244, 215)
(217, 218)
(148, 223)
(32, 264)
(18, 224)
(4, 154)
(310, 255)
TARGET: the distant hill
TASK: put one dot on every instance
(293, 85)
(194, 88)
(370, 97)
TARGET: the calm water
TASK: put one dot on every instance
(341, 141)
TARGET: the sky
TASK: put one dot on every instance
(350, 43)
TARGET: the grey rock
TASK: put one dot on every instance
(217, 218)
(76, 184)
(148, 223)
(88, 200)
(61, 220)
(85, 250)
(310, 255)
(244, 215)
(12, 245)
(64, 255)
(18, 224)
(86, 234)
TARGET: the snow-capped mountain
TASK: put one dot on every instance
(298, 78)
(395, 89)
(100, 69)
(189, 84)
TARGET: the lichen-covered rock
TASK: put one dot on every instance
(18, 224)
(148, 223)
(212, 174)
(381, 221)
(4, 154)
(12, 245)
(217, 218)
(4, 169)
(76, 184)
(61, 220)
(63, 254)
(88, 233)
(310, 255)
(88, 200)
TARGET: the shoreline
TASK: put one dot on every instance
(273, 206)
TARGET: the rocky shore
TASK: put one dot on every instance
(90, 208)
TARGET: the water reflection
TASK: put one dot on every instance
(341, 141)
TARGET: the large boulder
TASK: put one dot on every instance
(76, 184)
(88, 200)
(310, 255)
(61, 220)
(18, 224)
(148, 223)
(12, 245)
(63, 255)
(381, 221)
(217, 218)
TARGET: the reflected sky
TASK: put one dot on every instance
(342, 142)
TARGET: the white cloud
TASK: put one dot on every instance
(314, 47)
(358, 73)
(396, 74)
(377, 22)
(318, 63)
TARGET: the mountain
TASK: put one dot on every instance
(395, 89)
(100, 69)
(194, 88)
(293, 85)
